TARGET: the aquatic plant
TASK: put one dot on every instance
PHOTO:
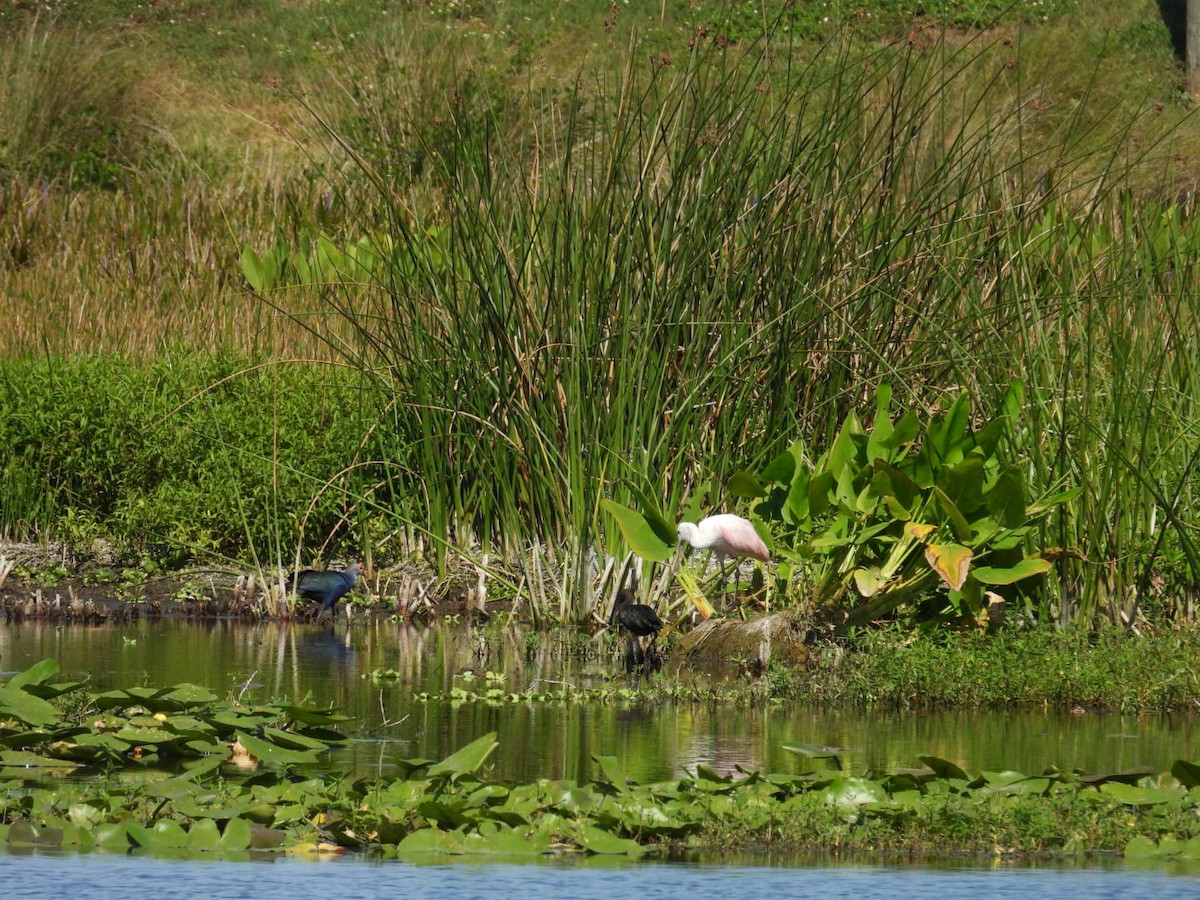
(451, 808)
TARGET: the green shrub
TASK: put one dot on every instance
(189, 455)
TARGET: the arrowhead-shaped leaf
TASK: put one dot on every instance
(466, 760)
(638, 533)
(951, 561)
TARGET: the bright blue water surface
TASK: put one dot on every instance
(102, 876)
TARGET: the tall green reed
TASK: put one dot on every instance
(690, 265)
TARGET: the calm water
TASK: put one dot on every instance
(266, 662)
(102, 876)
(303, 664)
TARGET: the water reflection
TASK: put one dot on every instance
(306, 664)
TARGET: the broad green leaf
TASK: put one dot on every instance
(597, 840)
(254, 269)
(743, 484)
(868, 581)
(847, 793)
(659, 524)
(466, 760)
(508, 841)
(1006, 498)
(797, 503)
(294, 739)
(962, 484)
(944, 437)
(1141, 847)
(1035, 785)
(112, 836)
(943, 768)
(906, 428)
(888, 481)
(25, 706)
(166, 833)
(236, 835)
(430, 840)
(232, 719)
(190, 695)
(638, 533)
(819, 487)
(204, 835)
(1132, 795)
(173, 788)
(24, 759)
(308, 715)
(611, 772)
(881, 425)
(1024, 569)
(146, 735)
(782, 469)
(272, 753)
(35, 674)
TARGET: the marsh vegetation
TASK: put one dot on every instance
(270, 296)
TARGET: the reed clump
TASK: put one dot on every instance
(684, 252)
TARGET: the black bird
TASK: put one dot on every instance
(327, 587)
(640, 621)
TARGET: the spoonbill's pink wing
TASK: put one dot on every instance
(741, 538)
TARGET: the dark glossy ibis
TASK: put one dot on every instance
(326, 587)
(639, 621)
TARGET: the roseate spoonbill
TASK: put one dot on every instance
(726, 535)
(638, 620)
(327, 587)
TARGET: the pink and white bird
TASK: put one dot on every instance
(726, 535)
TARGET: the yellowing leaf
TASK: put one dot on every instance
(919, 530)
(693, 592)
(867, 581)
(951, 561)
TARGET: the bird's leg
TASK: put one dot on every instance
(725, 585)
(630, 653)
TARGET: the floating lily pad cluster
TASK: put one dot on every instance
(203, 802)
(151, 725)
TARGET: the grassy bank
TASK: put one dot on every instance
(588, 256)
(1075, 669)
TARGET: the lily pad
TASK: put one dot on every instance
(25, 706)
